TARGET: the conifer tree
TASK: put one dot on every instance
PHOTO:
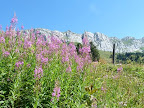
(94, 52)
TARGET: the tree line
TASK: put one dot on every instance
(137, 57)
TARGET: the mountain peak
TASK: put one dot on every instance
(103, 42)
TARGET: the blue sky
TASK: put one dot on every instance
(118, 18)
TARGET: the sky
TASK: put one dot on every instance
(117, 18)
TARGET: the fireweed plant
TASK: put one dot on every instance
(46, 72)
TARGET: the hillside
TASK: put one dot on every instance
(105, 55)
(103, 42)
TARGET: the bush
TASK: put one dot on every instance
(94, 52)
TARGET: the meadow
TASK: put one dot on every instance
(40, 73)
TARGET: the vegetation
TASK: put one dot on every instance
(106, 55)
(94, 52)
(131, 58)
(128, 42)
(42, 74)
(142, 48)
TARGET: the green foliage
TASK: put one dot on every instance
(94, 52)
(131, 57)
(77, 89)
(96, 84)
(142, 48)
(128, 42)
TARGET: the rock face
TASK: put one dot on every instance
(103, 42)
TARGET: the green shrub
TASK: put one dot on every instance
(94, 52)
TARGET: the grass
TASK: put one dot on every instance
(142, 48)
(63, 82)
(106, 56)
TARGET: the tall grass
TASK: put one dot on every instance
(35, 72)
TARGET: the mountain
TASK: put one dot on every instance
(103, 42)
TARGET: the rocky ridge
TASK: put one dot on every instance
(103, 42)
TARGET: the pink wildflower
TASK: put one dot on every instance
(72, 49)
(27, 44)
(94, 105)
(68, 69)
(6, 53)
(38, 72)
(37, 32)
(44, 60)
(22, 27)
(17, 50)
(65, 59)
(85, 41)
(19, 63)
(39, 57)
(55, 40)
(20, 43)
(56, 92)
(79, 67)
(31, 30)
(14, 21)
(86, 49)
(18, 32)
(103, 89)
(28, 65)
(79, 62)
(10, 28)
(119, 69)
(39, 42)
(7, 28)
(2, 40)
